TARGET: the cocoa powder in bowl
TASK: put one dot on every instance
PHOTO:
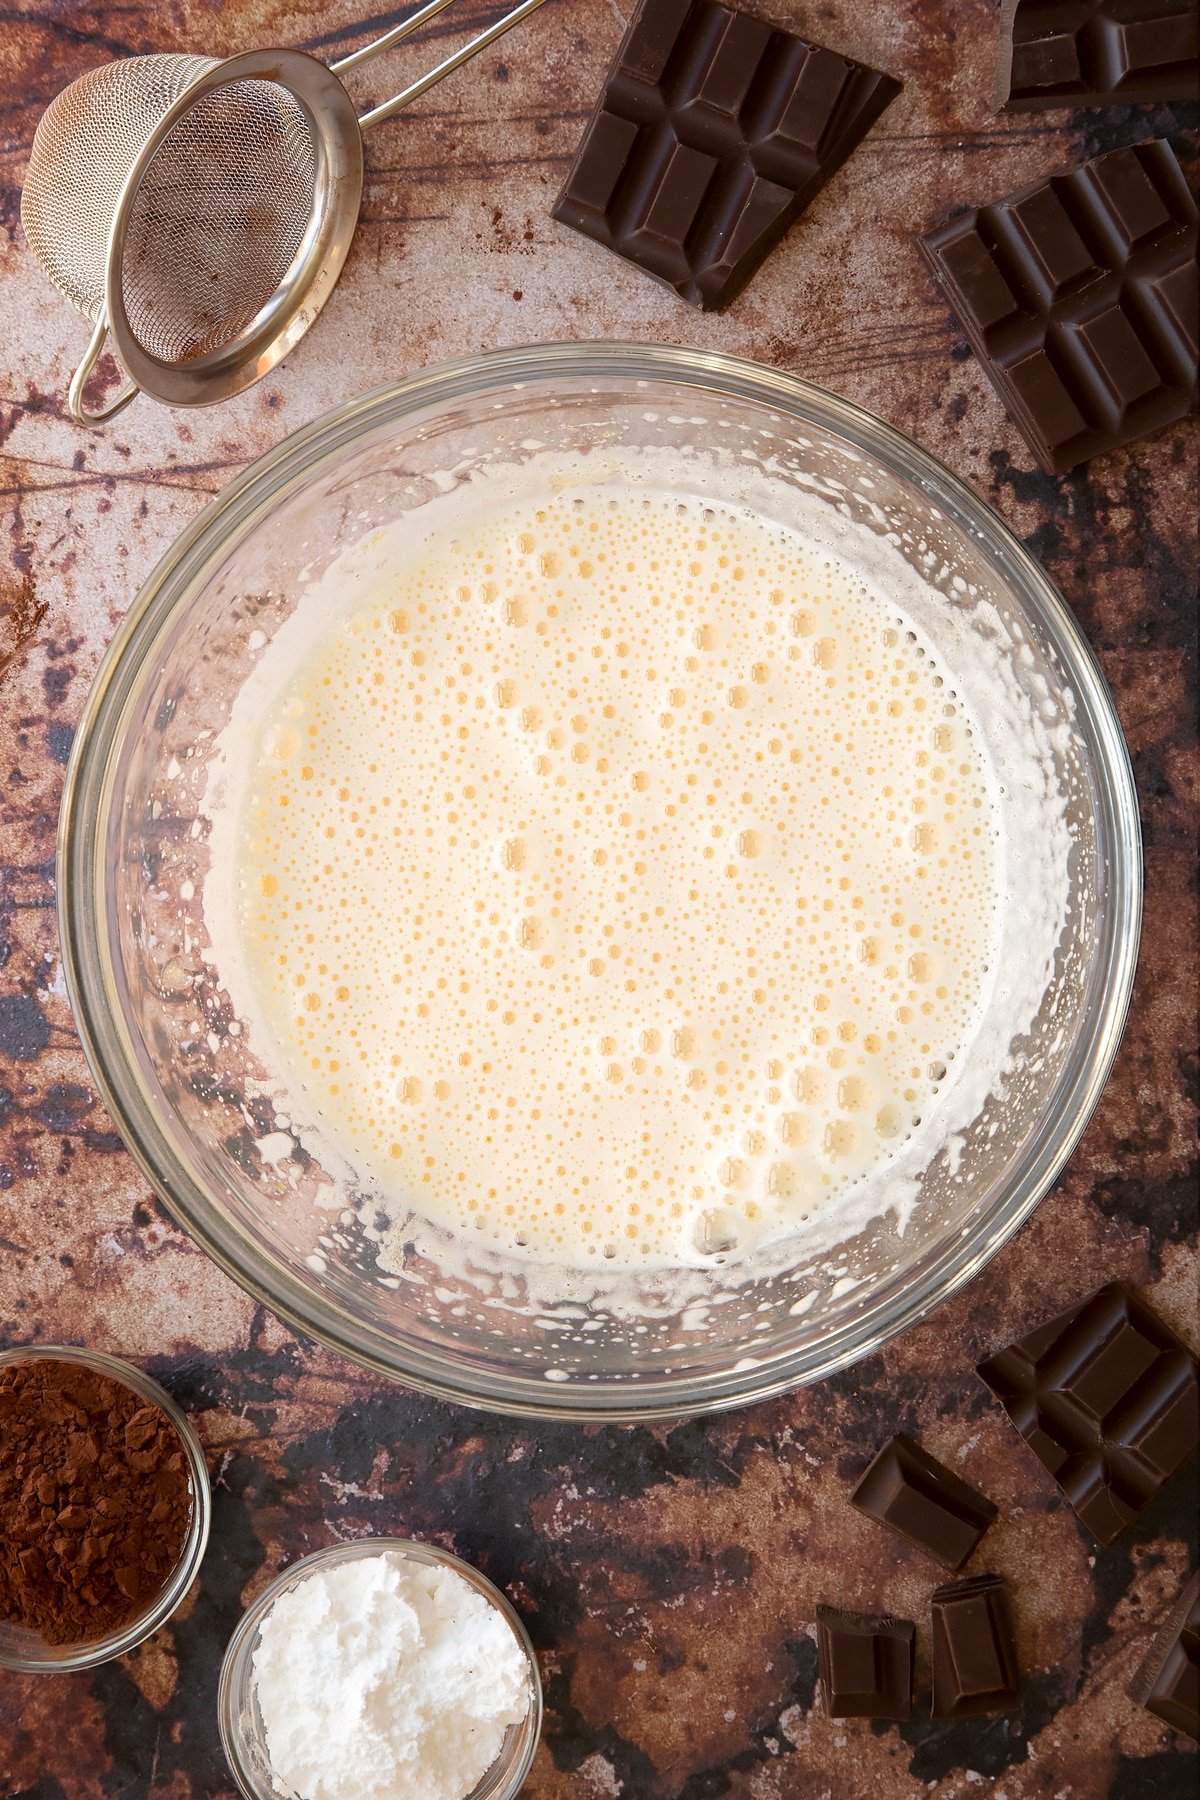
(95, 1500)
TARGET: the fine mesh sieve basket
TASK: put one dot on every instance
(200, 210)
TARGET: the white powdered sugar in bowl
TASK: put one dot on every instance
(381, 1677)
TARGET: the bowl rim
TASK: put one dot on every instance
(66, 1660)
(81, 917)
(233, 1680)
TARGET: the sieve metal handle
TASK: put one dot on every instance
(396, 35)
(456, 60)
(91, 356)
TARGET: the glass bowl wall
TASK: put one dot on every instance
(184, 1088)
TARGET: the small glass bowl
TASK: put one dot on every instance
(27, 1652)
(242, 1732)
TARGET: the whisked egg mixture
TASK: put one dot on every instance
(618, 877)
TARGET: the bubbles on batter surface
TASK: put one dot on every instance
(621, 879)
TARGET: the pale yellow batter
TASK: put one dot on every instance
(619, 878)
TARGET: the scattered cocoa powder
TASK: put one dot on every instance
(21, 612)
(95, 1500)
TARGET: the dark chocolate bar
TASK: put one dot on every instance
(1168, 1682)
(1096, 52)
(974, 1649)
(1108, 1398)
(1079, 296)
(912, 1492)
(713, 133)
(866, 1664)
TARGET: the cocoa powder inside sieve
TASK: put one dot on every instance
(95, 1500)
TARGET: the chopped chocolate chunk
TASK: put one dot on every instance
(1107, 1396)
(866, 1664)
(934, 1509)
(1079, 296)
(974, 1650)
(712, 134)
(1168, 1682)
(1096, 52)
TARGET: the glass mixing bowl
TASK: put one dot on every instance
(180, 1077)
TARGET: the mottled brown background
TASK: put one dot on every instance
(669, 1576)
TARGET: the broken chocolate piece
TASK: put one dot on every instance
(1168, 1682)
(1108, 1398)
(934, 1509)
(713, 133)
(866, 1664)
(974, 1649)
(1079, 296)
(1096, 52)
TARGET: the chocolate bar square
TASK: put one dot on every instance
(1168, 1682)
(866, 1664)
(1108, 1399)
(713, 133)
(925, 1502)
(974, 1649)
(1096, 52)
(1079, 296)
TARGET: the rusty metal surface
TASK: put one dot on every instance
(669, 1576)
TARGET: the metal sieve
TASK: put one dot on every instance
(200, 210)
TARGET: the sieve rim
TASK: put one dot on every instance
(300, 297)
